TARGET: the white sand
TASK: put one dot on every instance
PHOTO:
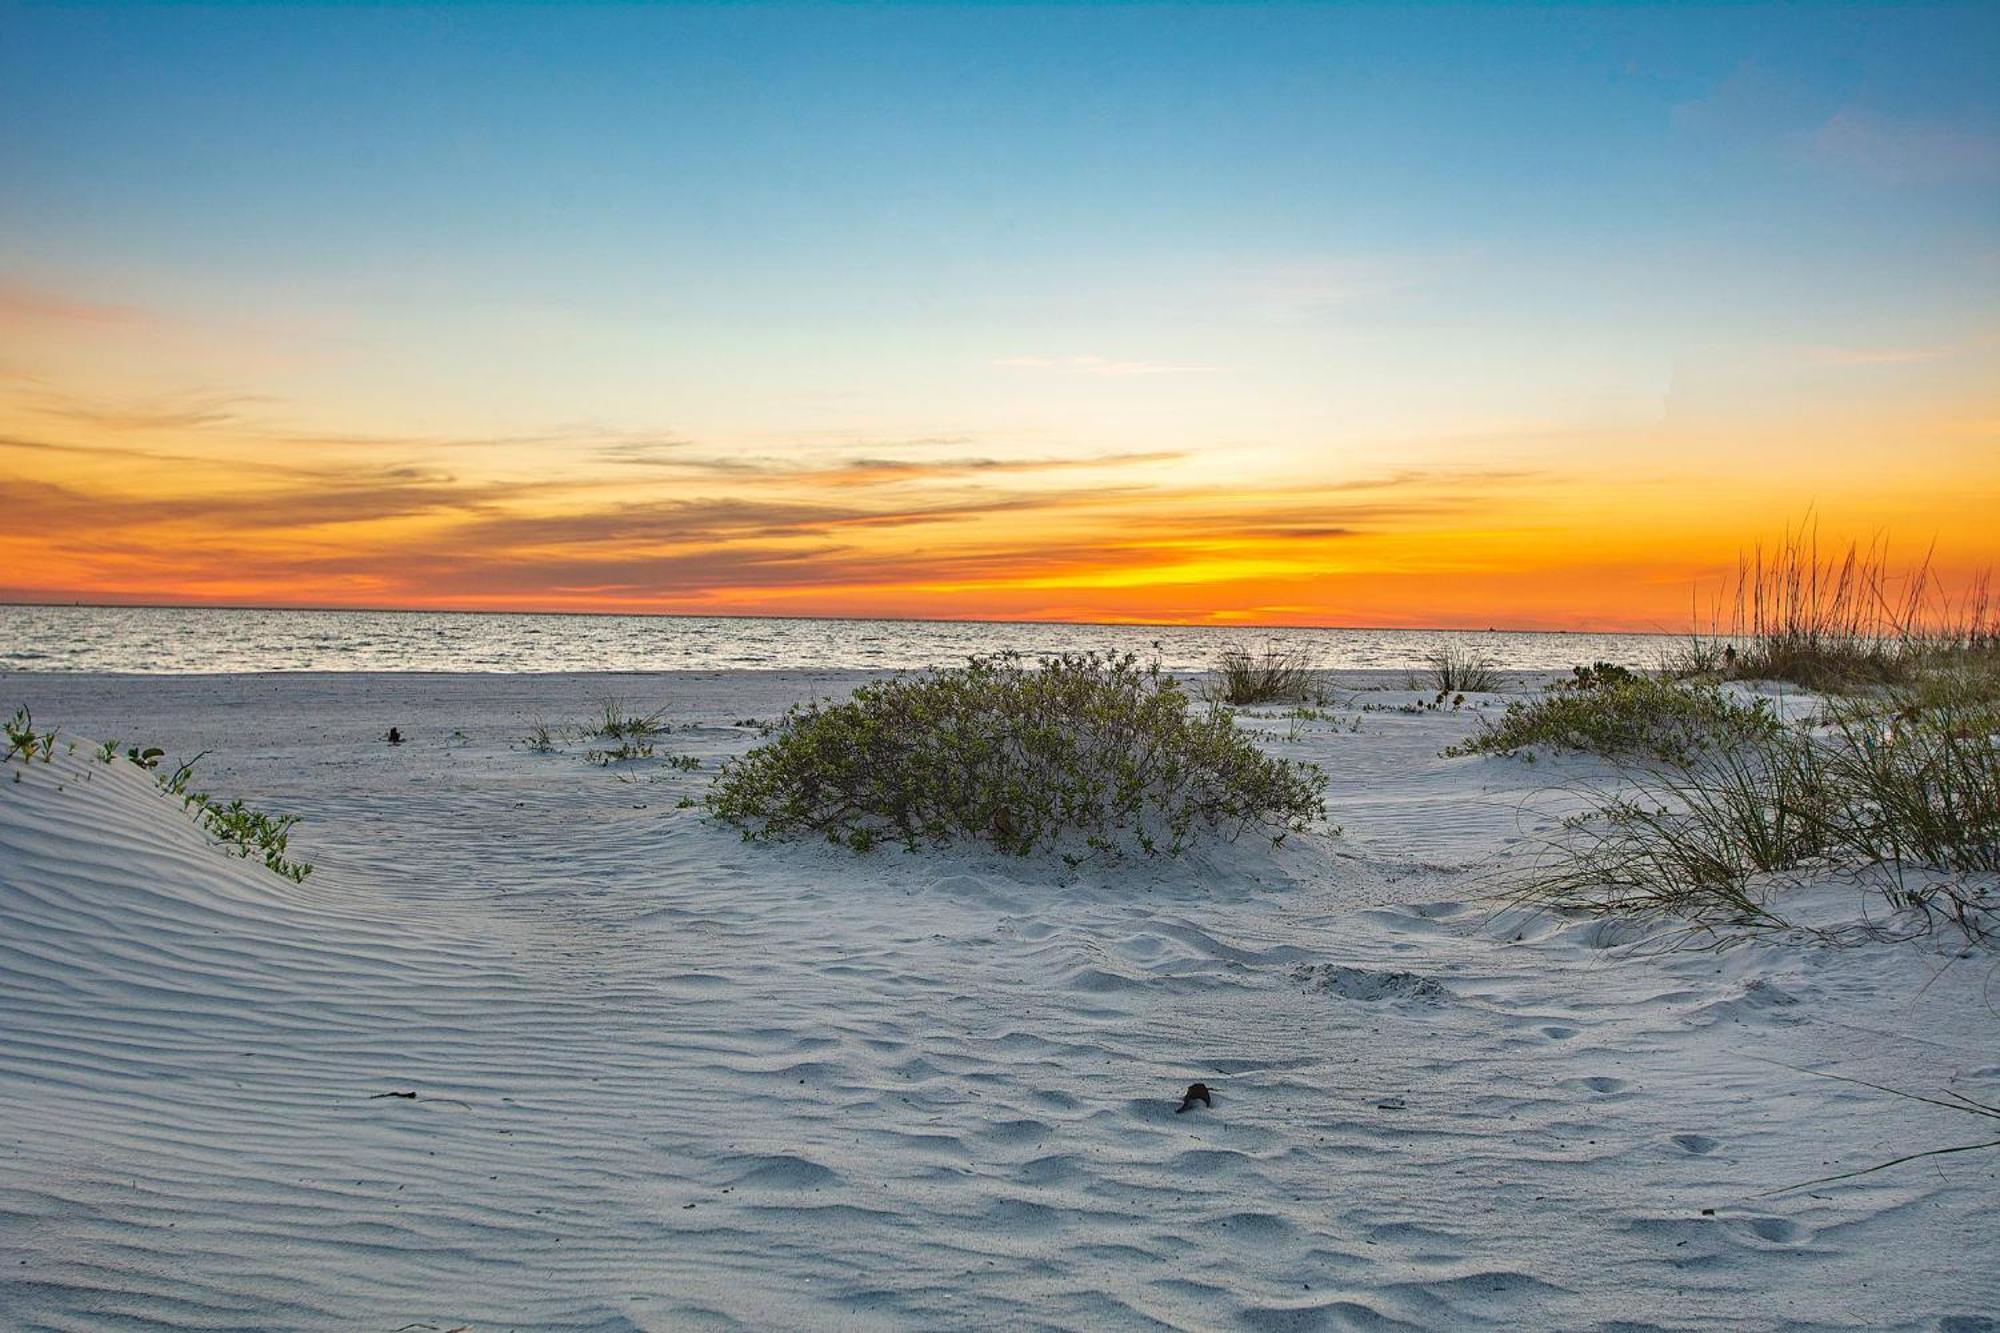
(667, 1080)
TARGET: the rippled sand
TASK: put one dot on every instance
(666, 1080)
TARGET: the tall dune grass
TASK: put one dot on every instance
(1846, 620)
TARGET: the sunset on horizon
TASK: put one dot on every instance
(1306, 315)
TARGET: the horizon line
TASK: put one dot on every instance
(753, 615)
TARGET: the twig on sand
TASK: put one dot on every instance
(1879, 1166)
(1959, 1102)
(411, 1096)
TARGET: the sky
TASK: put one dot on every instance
(1346, 315)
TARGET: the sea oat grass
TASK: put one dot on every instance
(1845, 622)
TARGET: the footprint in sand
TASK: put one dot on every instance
(1776, 1230)
(1698, 1144)
(1557, 1032)
(1601, 1083)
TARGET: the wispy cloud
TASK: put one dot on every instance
(1758, 109)
(1317, 288)
(1866, 143)
(192, 498)
(178, 413)
(1875, 356)
(1100, 366)
(22, 302)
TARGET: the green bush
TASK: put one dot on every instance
(1616, 713)
(1088, 754)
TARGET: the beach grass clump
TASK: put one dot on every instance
(1458, 669)
(1610, 711)
(1274, 673)
(1909, 796)
(1091, 755)
(614, 722)
(626, 735)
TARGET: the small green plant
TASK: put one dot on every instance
(625, 751)
(686, 763)
(148, 758)
(1272, 674)
(248, 832)
(1092, 755)
(251, 832)
(24, 742)
(540, 739)
(107, 752)
(176, 782)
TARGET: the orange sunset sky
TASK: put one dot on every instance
(1296, 316)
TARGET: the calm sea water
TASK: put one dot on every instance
(179, 640)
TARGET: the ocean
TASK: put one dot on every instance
(179, 640)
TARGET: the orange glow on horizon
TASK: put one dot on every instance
(222, 500)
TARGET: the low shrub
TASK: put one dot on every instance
(1085, 753)
(1620, 714)
(1273, 674)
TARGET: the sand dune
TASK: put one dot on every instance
(666, 1080)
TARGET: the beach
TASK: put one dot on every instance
(666, 1079)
